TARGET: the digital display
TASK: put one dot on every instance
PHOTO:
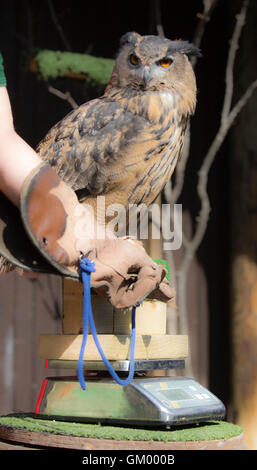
(175, 394)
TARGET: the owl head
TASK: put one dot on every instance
(148, 63)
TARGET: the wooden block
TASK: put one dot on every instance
(151, 318)
(102, 314)
(150, 315)
(115, 347)
(72, 306)
(72, 322)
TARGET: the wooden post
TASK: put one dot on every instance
(243, 157)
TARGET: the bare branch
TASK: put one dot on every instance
(241, 103)
(193, 245)
(58, 26)
(157, 11)
(224, 128)
(172, 195)
(204, 17)
(225, 125)
(64, 96)
(231, 60)
(203, 174)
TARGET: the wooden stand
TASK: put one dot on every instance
(19, 439)
(114, 329)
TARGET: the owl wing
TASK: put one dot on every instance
(91, 148)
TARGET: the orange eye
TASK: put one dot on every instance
(165, 62)
(134, 60)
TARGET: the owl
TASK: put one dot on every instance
(125, 144)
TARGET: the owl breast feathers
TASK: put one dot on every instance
(125, 144)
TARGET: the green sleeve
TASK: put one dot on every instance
(2, 74)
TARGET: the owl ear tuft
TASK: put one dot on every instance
(191, 49)
(184, 47)
(129, 38)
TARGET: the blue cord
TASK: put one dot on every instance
(87, 267)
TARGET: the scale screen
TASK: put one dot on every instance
(179, 400)
(176, 394)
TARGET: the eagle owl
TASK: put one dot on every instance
(125, 144)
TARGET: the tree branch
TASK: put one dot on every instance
(225, 125)
(204, 17)
(159, 26)
(172, 194)
(58, 26)
(231, 60)
(64, 96)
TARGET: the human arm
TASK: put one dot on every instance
(17, 158)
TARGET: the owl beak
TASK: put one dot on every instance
(146, 76)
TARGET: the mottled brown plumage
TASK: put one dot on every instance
(125, 144)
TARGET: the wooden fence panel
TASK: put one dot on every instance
(28, 307)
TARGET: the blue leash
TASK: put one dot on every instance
(87, 267)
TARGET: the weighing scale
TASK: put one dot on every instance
(146, 401)
(101, 394)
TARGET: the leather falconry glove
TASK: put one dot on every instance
(61, 228)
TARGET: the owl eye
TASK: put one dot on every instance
(165, 62)
(134, 60)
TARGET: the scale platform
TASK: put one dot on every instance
(147, 401)
(121, 365)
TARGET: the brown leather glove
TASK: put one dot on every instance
(125, 274)
(53, 218)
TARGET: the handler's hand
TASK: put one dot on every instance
(64, 229)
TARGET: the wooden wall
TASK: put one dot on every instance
(28, 307)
